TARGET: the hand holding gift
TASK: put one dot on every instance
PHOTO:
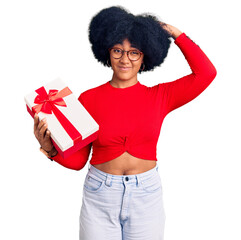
(70, 125)
(42, 134)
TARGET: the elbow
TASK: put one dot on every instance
(72, 167)
(76, 161)
(209, 75)
(213, 73)
(79, 166)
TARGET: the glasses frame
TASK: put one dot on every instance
(123, 51)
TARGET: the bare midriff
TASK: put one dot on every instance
(126, 164)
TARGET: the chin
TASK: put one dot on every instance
(124, 77)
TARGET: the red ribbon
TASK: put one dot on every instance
(46, 103)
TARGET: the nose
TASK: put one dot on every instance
(124, 58)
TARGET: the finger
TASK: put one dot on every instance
(48, 134)
(43, 130)
(41, 124)
(36, 121)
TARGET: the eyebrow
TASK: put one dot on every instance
(135, 47)
(132, 48)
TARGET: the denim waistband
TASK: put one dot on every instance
(122, 178)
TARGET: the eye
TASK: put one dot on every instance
(134, 52)
(117, 50)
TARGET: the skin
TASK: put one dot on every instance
(124, 75)
(124, 70)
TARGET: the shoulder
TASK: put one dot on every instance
(155, 88)
(90, 93)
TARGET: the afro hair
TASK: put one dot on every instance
(113, 25)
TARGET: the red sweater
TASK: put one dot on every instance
(130, 118)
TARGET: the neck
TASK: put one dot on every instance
(123, 83)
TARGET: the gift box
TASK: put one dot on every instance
(70, 124)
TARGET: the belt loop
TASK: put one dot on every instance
(137, 181)
(108, 181)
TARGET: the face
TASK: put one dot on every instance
(123, 68)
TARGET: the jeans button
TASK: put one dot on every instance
(127, 179)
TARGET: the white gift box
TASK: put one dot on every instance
(70, 124)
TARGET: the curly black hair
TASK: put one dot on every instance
(113, 25)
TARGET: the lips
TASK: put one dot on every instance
(124, 68)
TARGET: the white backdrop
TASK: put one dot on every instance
(199, 146)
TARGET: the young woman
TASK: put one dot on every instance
(122, 194)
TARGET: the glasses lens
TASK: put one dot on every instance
(116, 53)
(134, 55)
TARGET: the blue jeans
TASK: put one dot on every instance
(122, 207)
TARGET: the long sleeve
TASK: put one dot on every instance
(77, 160)
(185, 89)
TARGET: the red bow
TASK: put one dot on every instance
(46, 101)
(46, 104)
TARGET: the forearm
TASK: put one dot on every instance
(77, 160)
(196, 58)
(186, 88)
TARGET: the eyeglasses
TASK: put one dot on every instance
(133, 55)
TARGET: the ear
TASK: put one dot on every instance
(142, 59)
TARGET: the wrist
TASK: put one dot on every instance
(176, 34)
(52, 153)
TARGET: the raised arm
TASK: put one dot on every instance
(185, 89)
